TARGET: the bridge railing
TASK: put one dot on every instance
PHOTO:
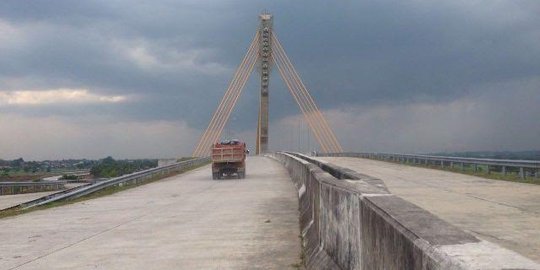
(10, 188)
(134, 178)
(524, 167)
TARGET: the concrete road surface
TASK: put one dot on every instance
(187, 221)
(502, 212)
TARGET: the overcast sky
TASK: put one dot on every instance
(88, 79)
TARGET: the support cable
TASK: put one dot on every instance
(283, 72)
(210, 132)
(224, 114)
(311, 104)
(241, 87)
(335, 143)
(224, 101)
(310, 117)
(303, 101)
(235, 91)
(323, 141)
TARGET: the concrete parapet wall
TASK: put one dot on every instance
(355, 223)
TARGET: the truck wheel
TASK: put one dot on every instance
(215, 176)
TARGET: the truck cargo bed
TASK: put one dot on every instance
(229, 158)
(228, 154)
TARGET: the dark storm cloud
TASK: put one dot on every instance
(367, 51)
(178, 56)
(67, 44)
(400, 50)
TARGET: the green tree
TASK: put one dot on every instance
(108, 167)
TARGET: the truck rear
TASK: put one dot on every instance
(229, 158)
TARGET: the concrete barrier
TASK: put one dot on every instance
(354, 224)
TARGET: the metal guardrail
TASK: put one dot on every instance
(11, 188)
(134, 178)
(46, 197)
(524, 167)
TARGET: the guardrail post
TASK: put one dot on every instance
(475, 167)
(521, 173)
(504, 170)
(462, 166)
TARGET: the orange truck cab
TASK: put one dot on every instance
(228, 158)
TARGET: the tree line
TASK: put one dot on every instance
(109, 167)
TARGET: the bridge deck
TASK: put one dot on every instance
(502, 212)
(183, 222)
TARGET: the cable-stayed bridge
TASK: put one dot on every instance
(264, 52)
(334, 211)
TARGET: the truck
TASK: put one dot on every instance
(228, 158)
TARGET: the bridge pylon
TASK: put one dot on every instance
(265, 62)
(265, 51)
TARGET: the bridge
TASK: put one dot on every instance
(335, 210)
